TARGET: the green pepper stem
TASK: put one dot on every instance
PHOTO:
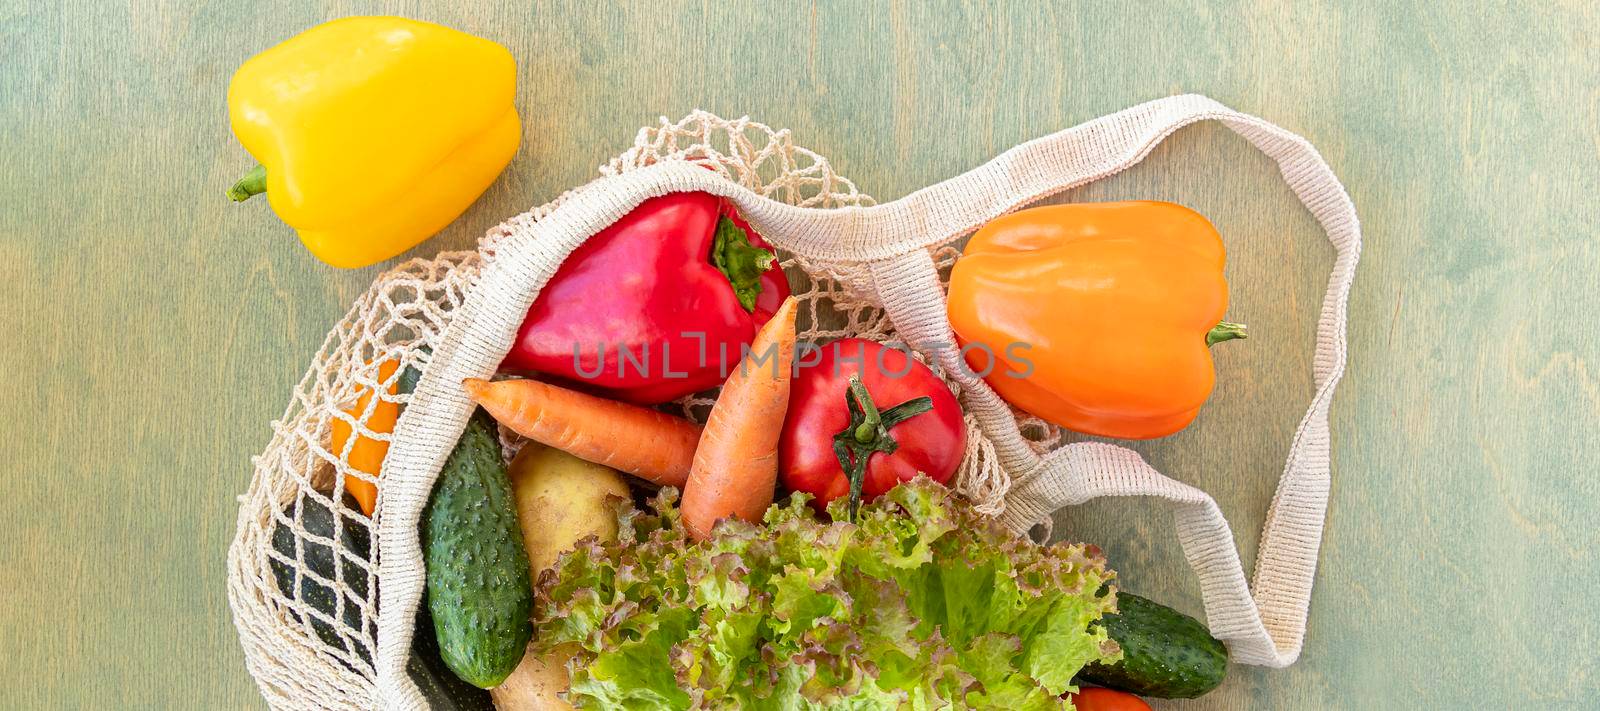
(739, 259)
(1225, 331)
(253, 183)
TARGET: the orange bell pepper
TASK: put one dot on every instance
(367, 454)
(1098, 316)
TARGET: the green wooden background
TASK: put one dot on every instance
(153, 329)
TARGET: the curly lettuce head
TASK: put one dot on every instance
(919, 604)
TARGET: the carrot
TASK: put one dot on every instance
(736, 464)
(643, 442)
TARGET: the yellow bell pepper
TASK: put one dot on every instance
(373, 133)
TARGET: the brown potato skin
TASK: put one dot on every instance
(536, 683)
(561, 500)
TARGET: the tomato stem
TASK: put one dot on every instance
(868, 432)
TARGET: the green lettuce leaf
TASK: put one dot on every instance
(919, 604)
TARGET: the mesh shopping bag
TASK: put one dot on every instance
(325, 598)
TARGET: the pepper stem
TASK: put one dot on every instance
(739, 259)
(253, 183)
(1225, 331)
(868, 432)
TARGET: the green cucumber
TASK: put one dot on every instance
(1165, 653)
(440, 686)
(479, 590)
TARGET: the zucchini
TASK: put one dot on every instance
(479, 589)
(318, 562)
(1165, 653)
(407, 383)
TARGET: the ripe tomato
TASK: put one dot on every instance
(931, 442)
(1094, 698)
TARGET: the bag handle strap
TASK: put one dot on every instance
(1264, 623)
(1264, 627)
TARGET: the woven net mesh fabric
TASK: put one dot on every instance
(300, 539)
(302, 568)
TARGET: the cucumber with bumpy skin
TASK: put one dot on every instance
(1165, 653)
(440, 687)
(479, 589)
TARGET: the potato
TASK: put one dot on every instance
(561, 500)
(535, 683)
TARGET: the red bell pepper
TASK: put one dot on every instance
(657, 306)
(862, 419)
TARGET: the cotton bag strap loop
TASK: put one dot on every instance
(891, 241)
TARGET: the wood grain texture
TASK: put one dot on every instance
(155, 329)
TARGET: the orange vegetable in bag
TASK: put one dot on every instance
(1097, 317)
(641, 441)
(1094, 698)
(366, 454)
(735, 470)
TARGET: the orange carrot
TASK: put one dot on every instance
(643, 442)
(736, 463)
